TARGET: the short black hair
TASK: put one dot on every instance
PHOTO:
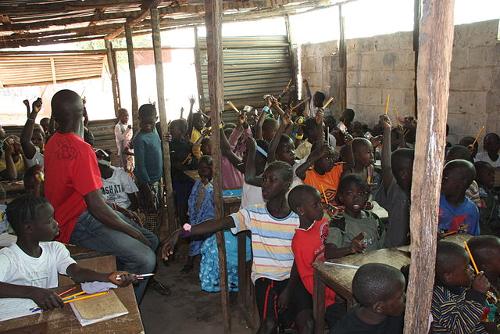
(63, 103)
(23, 209)
(459, 152)
(207, 159)
(349, 114)
(310, 125)
(180, 123)
(491, 136)
(374, 282)
(465, 167)
(448, 256)
(29, 175)
(284, 170)
(484, 248)
(330, 122)
(269, 123)
(480, 165)
(147, 110)
(297, 195)
(359, 142)
(349, 179)
(468, 140)
(402, 158)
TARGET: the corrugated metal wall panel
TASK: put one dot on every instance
(253, 67)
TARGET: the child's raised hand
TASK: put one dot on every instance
(386, 121)
(46, 299)
(36, 107)
(191, 100)
(481, 283)
(357, 245)
(122, 278)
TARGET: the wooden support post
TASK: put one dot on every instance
(213, 22)
(417, 12)
(114, 78)
(292, 51)
(169, 222)
(436, 40)
(197, 66)
(342, 98)
(133, 81)
(115, 64)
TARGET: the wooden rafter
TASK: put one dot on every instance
(97, 12)
(57, 7)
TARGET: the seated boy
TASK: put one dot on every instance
(273, 226)
(461, 152)
(491, 145)
(363, 159)
(325, 174)
(485, 249)
(29, 268)
(353, 195)
(380, 292)
(33, 136)
(308, 246)
(394, 193)
(456, 211)
(456, 306)
(489, 207)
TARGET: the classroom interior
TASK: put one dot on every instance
(126, 53)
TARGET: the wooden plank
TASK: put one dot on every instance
(197, 66)
(169, 220)
(292, 53)
(417, 13)
(435, 48)
(213, 23)
(145, 7)
(342, 64)
(114, 77)
(133, 80)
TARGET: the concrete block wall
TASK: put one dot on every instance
(382, 65)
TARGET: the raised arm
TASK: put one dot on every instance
(285, 122)
(229, 154)
(307, 110)
(258, 126)
(10, 172)
(250, 170)
(29, 148)
(315, 155)
(387, 176)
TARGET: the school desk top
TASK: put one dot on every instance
(64, 320)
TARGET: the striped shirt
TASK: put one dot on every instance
(271, 241)
(457, 313)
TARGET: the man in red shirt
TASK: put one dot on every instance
(73, 187)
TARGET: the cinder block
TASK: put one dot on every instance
(386, 42)
(405, 40)
(398, 98)
(365, 44)
(476, 34)
(372, 61)
(359, 79)
(482, 56)
(371, 96)
(392, 79)
(467, 102)
(459, 57)
(354, 61)
(326, 66)
(476, 79)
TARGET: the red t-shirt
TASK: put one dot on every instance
(308, 246)
(71, 172)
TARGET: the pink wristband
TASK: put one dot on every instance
(186, 227)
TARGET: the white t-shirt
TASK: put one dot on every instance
(17, 267)
(483, 156)
(116, 188)
(36, 160)
(250, 195)
(296, 180)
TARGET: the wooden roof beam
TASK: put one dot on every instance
(100, 29)
(145, 7)
(24, 8)
(97, 12)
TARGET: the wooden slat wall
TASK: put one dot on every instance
(253, 66)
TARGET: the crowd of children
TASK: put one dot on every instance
(309, 187)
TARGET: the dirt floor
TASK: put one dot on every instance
(187, 309)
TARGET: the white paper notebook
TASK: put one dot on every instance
(11, 308)
(102, 308)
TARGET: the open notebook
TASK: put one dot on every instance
(92, 310)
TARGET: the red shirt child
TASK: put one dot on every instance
(71, 172)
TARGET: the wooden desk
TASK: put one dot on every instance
(64, 320)
(12, 189)
(340, 279)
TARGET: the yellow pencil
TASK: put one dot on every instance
(471, 257)
(74, 295)
(324, 193)
(86, 297)
(387, 103)
(330, 100)
(233, 106)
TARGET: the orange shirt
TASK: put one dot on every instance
(327, 183)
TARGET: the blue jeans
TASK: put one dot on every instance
(131, 254)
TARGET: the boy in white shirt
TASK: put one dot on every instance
(29, 268)
(123, 136)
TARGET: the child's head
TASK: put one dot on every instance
(286, 150)
(305, 201)
(205, 147)
(452, 265)
(402, 167)
(38, 137)
(348, 116)
(486, 250)
(147, 117)
(353, 193)
(318, 99)
(312, 130)
(32, 217)
(485, 174)
(32, 176)
(277, 179)
(178, 128)
(326, 162)
(491, 143)
(362, 151)
(457, 177)
(123, 115)
(471, 144)
(269, 128)
(458, 152)
(205, 169)
(44, 123)
(380, 288)
(198, 122)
